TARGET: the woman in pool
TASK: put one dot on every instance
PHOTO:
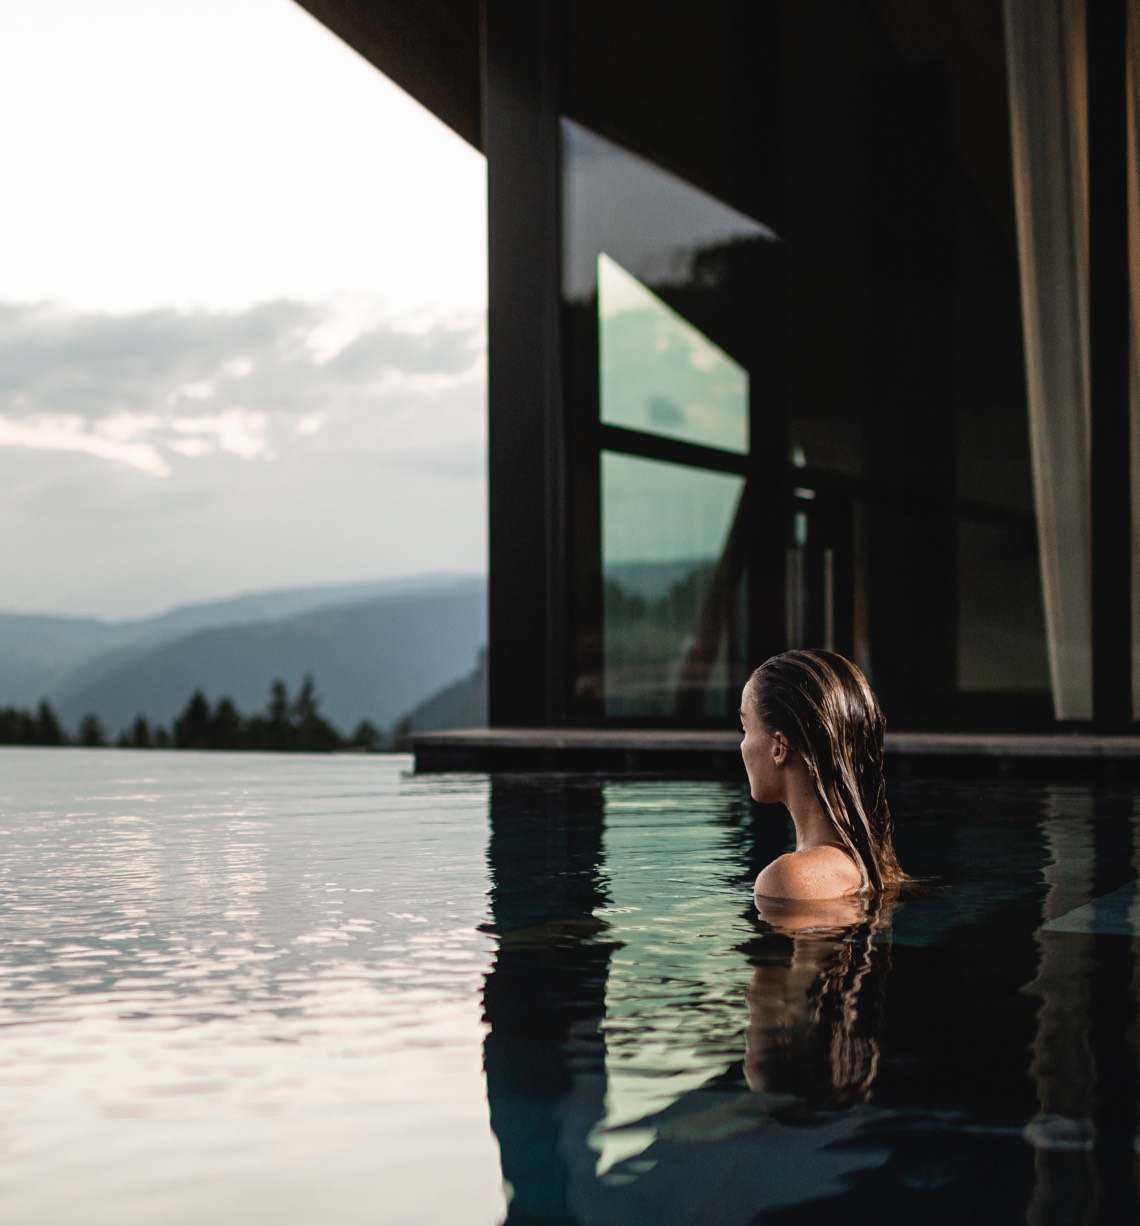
(813, 741)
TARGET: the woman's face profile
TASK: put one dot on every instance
(759, 749)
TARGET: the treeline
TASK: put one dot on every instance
(286, 724)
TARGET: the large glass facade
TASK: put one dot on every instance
(872, 267)
(672, 575)
(795, 380)
(664, 289)
(906, 401)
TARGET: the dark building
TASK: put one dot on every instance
(808, 325)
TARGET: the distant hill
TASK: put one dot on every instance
(462, 704)
(372, 659)
(37, 654)
(43, 655)
(284, 602)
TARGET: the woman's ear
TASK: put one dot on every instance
(780, 749)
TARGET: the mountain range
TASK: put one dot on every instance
(377, 651)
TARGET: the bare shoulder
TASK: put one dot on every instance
(820, 872)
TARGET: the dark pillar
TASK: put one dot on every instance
(525, 428)
(769, 479)
(544, 997)
(1107, 28)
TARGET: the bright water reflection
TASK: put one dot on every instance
(318, 990)
(241, 988)
(659, 1051)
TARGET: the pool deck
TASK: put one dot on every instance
(717, 753)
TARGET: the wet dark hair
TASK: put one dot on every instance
(823, 705)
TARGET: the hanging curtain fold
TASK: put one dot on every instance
(1046, 67)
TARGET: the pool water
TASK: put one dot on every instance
(256, 988)
(241, 989)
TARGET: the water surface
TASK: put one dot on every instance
(295, 989)
(241, 988)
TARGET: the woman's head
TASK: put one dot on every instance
(821, 704)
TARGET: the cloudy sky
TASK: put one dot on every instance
(242, 285)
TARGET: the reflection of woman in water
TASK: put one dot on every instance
(813, 741)
(814, 1015)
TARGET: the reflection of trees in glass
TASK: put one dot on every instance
(670, 540)
(646, 636)
(649, 640)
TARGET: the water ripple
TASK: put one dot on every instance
(192, 943)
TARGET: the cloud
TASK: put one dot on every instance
(446, 350)
(160, 388)
(64, 433)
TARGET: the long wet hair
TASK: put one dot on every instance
(823, 705)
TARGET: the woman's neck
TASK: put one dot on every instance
(813, 826)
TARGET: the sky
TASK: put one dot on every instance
(242, 305)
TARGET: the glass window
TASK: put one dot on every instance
(661, 375)
(665, 231)
(672, 583)
(672, 310)
(856, 358)
(1001, 630)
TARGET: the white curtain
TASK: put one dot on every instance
(1046, 71)
(1046, 68)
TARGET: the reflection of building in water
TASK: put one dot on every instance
(618, 1015)
(1062, 1064)
(544, 996)
(1085, 1052)
(674, 994)
(791, 341)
